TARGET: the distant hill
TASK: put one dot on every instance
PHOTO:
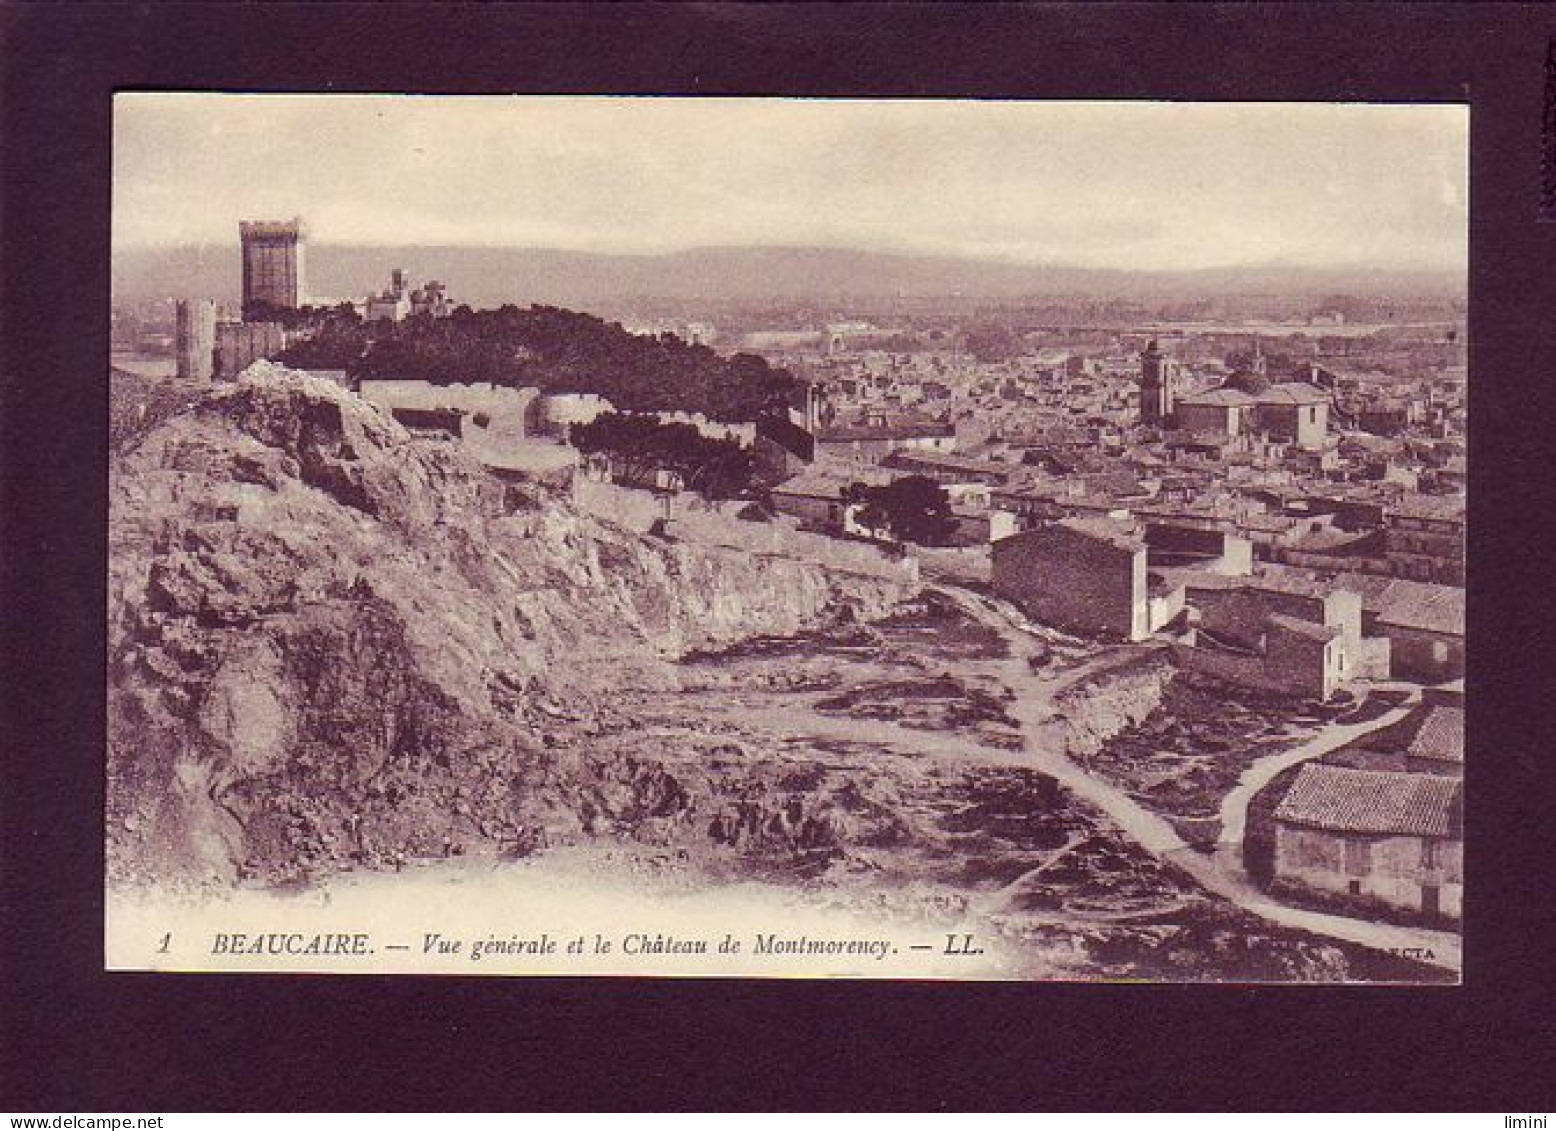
(486, 277)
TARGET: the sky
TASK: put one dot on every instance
(1146, 185)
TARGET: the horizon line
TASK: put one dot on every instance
(842, 249)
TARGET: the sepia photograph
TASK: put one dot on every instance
(773, 537)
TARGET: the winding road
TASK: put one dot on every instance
(1222, 872)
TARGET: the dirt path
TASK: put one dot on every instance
(1045, 752)
(1234, 807)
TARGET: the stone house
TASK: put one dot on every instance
(1424, 623)
(873, 441)
(1083, 575)
(1393, 838)
(1302, 656)
(1219, 412)
(1294, 411)
(1278, 633)
(947, 467)
(815, 496)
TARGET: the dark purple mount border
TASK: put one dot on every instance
(76, 1039)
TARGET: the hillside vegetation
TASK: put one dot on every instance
(554, 350)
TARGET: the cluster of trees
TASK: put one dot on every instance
(336, 339)
(640, 446)
(912, 509)
(554, 350)
(300, 317)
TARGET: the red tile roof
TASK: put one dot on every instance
(1370, 801)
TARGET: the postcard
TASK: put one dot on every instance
(787, 538)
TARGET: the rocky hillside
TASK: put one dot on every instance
(332, 642)
(1116, 696)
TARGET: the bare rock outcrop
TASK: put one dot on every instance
(332, 643)
(1112, 701)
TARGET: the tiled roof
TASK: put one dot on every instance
(1289, 392)
(1371, 801)
(949, 461)
(1276, 580)
(1401, 737)
(1201, 579)
(1311, 629)
(1410, 604)
(1029, 491)
(1439, 508)
(1294, 392)
(1441, 737)
(815, 482)
(1219, 396)
(1116, 532)
(1330, 540)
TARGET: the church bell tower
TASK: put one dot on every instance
(1158, 377)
